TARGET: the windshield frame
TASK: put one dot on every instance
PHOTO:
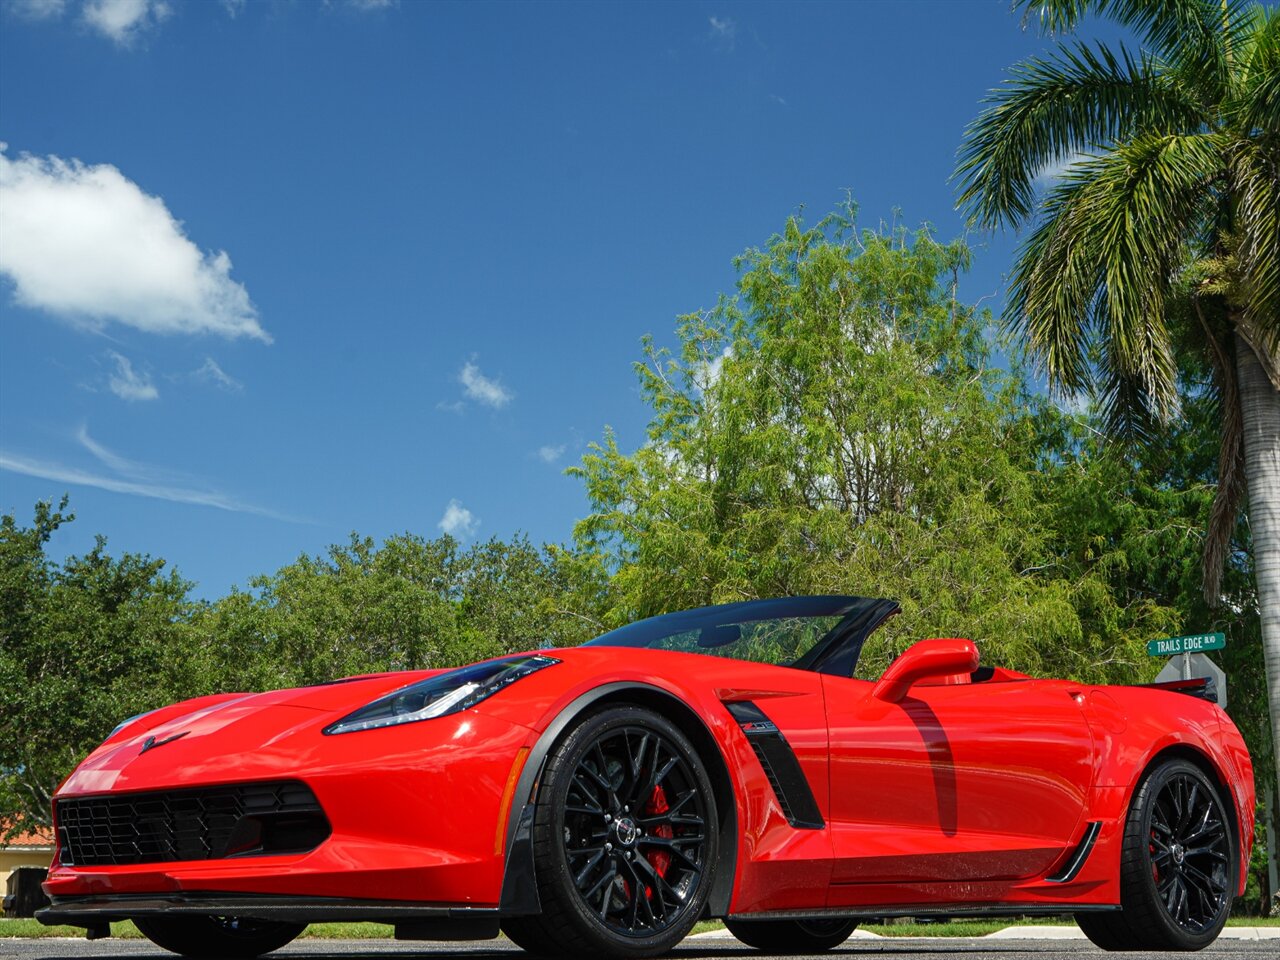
(835, 653)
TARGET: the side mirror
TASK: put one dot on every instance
(928, 658)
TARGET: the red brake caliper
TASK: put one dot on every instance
(659, 859)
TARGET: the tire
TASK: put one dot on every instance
(792, 936)
(624, 840)
(1177, 868)
(232, 938)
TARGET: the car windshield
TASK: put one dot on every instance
(800, 632)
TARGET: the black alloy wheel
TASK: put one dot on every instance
(625, 840)
(1178, 873)
(1190, 852)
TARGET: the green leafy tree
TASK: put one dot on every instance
(838, 427)
(515, 596)
(411, 603)
(356, 609)
(1170, 202)
(83, 645)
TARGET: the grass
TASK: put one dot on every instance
(956, 928)
(36, 929)
(383, 931)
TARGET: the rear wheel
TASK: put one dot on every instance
(624, 840)
(1177, 873)
(792, 936)
(235, 938)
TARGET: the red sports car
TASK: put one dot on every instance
(731, 761)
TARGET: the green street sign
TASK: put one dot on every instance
(1192, 644)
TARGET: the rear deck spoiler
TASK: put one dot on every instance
(1202, 688)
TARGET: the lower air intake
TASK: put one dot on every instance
(201, 824)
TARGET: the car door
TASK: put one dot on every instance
(957, 782)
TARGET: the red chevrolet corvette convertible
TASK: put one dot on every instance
(732, 762)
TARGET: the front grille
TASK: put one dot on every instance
(201, 824)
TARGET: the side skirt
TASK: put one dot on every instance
(934, 910)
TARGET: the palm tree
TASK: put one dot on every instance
(1160, 236)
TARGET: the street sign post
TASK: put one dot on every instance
(1192, 663)
(1195, 643)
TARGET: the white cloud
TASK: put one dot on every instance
(233, 7)
(127, 384)
(1055, 170)
(458, 521)
(211, 372)
(58, 473)
(550, 454)
(724, 30)
(37, 9)
(482, 389)
(87, 244)
(112, 460)
(123, 20)
(707, 374)
(371, 4)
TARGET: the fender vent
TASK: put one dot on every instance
(780, 765)
(1079, 855)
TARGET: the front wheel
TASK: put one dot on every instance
(792, 936)
(1177, 872)
(624, 840)
(233, 938)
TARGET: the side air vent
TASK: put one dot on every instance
(780, 765)
(1078, 856)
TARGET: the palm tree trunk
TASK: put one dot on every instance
(1260, 411)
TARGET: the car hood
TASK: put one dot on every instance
(198, 736)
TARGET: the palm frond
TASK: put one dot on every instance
(1128, 409)
(1053, 297)
(1163, 24)
(1255, 179)
(1100, 264)
(1254, 107)
(1053, 108)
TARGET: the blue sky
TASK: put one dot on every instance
(274, 271)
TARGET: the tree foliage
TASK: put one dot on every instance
(83, 644)
(839, 427)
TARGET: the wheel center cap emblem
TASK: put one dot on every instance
(1179, 854)
(625, 829)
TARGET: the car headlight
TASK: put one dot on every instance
(441, 695)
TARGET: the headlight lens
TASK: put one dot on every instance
(441, 695)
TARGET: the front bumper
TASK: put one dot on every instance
(415, 813)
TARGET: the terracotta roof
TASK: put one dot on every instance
(37, 839)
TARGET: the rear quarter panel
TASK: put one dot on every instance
(1134, 725)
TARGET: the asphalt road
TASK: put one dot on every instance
(914, 949)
